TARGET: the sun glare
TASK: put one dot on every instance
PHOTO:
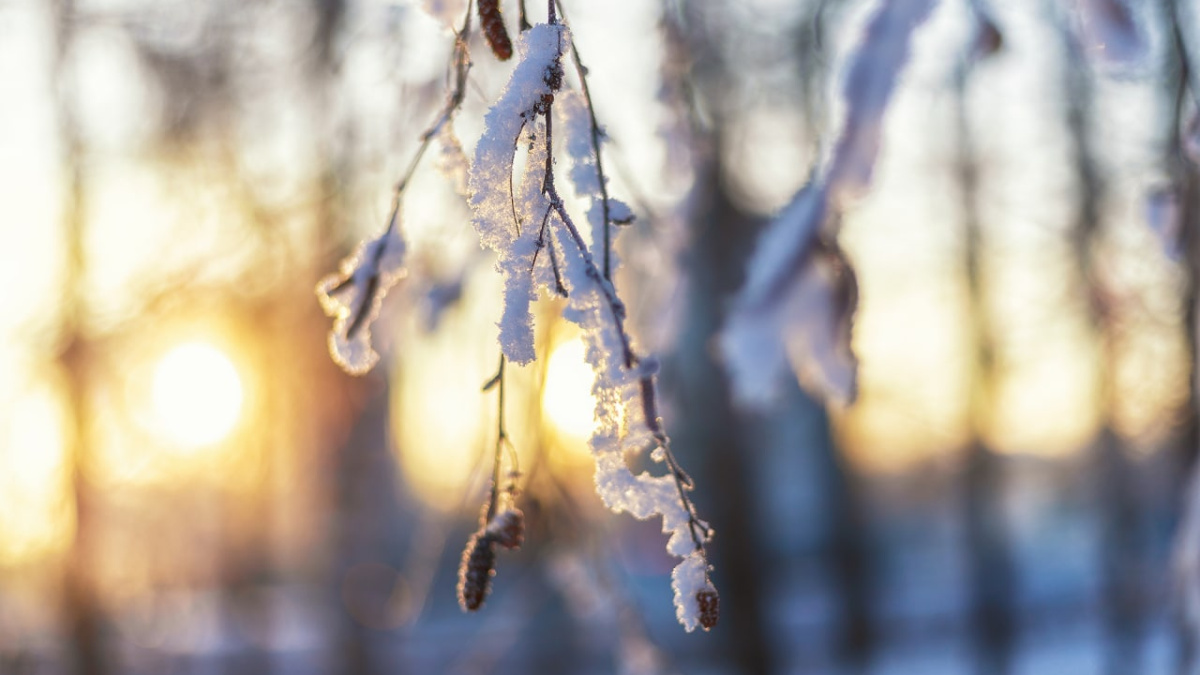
(196, 395)
(34, 514)
(567, 398)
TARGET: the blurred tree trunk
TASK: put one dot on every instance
(1121, 549)
(848, 553)
(718, 438)
(366, 512)
(989, 559)
(81, 603)
(1186, 187)
(363, 488)
(709, 432)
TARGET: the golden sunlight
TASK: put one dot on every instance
(196, 395)
(567, 395)
(34, 514)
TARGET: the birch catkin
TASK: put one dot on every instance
(493, 29)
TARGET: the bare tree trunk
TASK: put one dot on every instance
(989, 558)
(81, 604)
(1117, 497)
(1187, 190)
(848, 553)
(708, 434)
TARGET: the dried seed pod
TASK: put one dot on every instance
(508, 528)
(710, 606)
(476, 571)
(493, 29)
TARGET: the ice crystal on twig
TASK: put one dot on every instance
(626, 417)
(452, 161)
(354, 295)
(585, 174)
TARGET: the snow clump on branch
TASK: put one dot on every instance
(353, 296)
(490, 183)
(800, 296)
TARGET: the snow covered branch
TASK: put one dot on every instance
(797, 305)
(537, 244)
(518, 224)
(354, 295)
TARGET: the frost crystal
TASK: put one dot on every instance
(490, 184)
(800, 295)
(507, 528)
(354, 295)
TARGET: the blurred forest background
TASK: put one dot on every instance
(188, 484)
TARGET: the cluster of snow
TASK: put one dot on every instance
(495, 208)
(353, 296)
(800, 296)
(535, 242)
(576, 122)
(688, 580)
(621, 427)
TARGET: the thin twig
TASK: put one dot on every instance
(462, 66)
(501, 439)
(523, 22)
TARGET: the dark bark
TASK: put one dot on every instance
(1186, 185)
(989, 559)
(709, 434)
(1118, 505)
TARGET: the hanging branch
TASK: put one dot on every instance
(625, 390)
(498, 526)
(353, 296)
(646, 385)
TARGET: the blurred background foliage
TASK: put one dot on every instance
(188, 484)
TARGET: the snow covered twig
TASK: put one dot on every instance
(537, 244)
(354, 295)
(518, 224)
(797, 305)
